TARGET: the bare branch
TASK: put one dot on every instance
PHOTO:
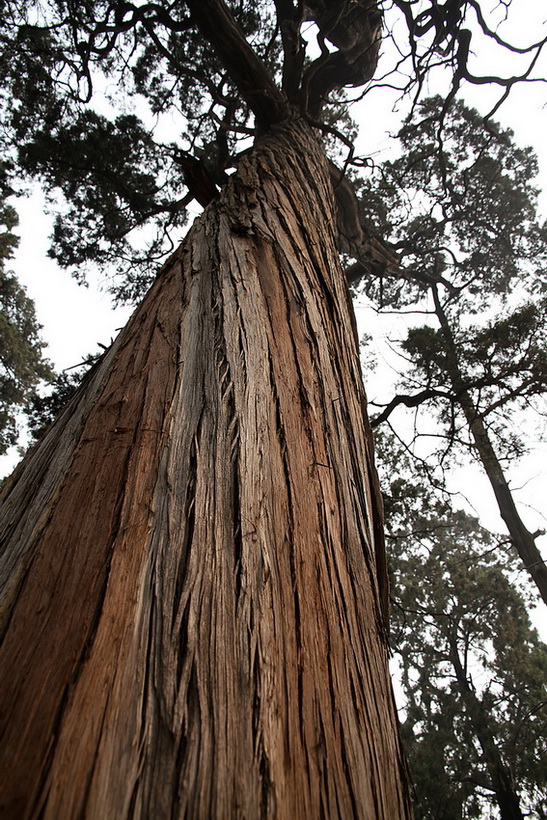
(409, 401)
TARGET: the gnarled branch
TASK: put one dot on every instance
(214, 20)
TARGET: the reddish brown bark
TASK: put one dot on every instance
(193, 581)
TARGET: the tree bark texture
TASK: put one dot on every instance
(192, 570)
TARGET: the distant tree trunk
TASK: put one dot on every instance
(522, 539)
(193, 593)
(501, 782)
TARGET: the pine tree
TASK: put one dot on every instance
(22, 364)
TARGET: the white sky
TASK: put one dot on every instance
(74, 318)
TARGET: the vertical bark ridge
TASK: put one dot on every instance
(215, 611)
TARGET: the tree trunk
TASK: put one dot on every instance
(522, 539)
(192, 575)
(501, 782)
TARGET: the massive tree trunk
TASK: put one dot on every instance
(193, 593)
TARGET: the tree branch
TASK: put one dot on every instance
(355, 29)
(214, 20)
(289, 18)
(409, 401)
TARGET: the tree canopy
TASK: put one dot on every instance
(126, 112)
(473, 670)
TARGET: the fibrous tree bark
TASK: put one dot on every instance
(193, 583)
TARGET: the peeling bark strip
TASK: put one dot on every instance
(191, 613)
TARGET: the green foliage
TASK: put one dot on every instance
(463, 210)
(99, 102)
(22, 365)
(102, 101)
(474, 672)
(114, 178)
(474, 256)
(501, 363)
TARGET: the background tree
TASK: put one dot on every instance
(473, 670)
(473, 253)
(22, 365)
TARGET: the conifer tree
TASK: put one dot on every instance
(22, 364)
(463, 217)
(194, 595)
(473, 670)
